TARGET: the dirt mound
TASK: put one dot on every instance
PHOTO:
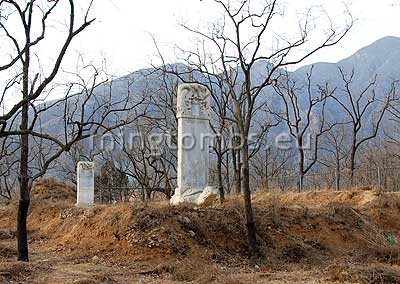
(357, 198)
(141, 233)
(290, 226)
(53, 190)
(312, 229)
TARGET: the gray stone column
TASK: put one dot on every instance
(85, 184)
(193, 104)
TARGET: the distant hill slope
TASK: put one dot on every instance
(380, 58)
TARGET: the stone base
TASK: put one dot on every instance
(193, 195)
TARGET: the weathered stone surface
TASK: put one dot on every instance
(193, 104)
(85, 186)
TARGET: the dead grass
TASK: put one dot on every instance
(7, 252)
(13, 271)
(207, 244)
(191, 270)
(355, 198)
(51, 189)
(369, 274)
(6, 234)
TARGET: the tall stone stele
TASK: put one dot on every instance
(85, 184)
(193, 105)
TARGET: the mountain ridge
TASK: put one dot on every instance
(377, 58)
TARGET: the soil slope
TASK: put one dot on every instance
(315, 237)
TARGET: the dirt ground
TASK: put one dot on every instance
(315, 237)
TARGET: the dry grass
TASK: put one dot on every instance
(369, 274)
(17, 272)
(299, 236)
(191, 270)
(53, 190)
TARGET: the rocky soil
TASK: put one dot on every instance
(315, 237)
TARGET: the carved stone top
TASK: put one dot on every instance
(85, 166)
(193, 101)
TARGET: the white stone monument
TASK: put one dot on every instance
(193, 104)
(85, 181)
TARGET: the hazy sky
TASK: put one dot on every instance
(120, 33)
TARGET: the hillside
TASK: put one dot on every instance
(150, 86)
(378, 58)
(316, 237)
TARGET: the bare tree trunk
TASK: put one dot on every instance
(239, 172)
(148, 195)
(24, 198)
(337, 175)
(301, 182)
(301, 166)
(142, 194)
(110, 197)
(126, 198)
(266, 170)
(220, 181)
(168, 187)
(337, 180)
(219, 172)
(352, 159)
(251, 229)
(101, 195)
(236, 171)
(228, 179)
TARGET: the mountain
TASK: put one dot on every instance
(380, 58)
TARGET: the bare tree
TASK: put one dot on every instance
(8, 167)
(27, 13)
(86, 109)
(392, 132)
(304, 112)
(358, 107)
(112, 183)
(268, 164)
(237, 164)
(335, 151)
(65, 166)
(239, 47)
(146, 152)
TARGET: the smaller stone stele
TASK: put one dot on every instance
(85, 184)
(193, 114)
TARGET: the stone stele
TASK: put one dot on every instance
(85, 181)
(193, 104)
